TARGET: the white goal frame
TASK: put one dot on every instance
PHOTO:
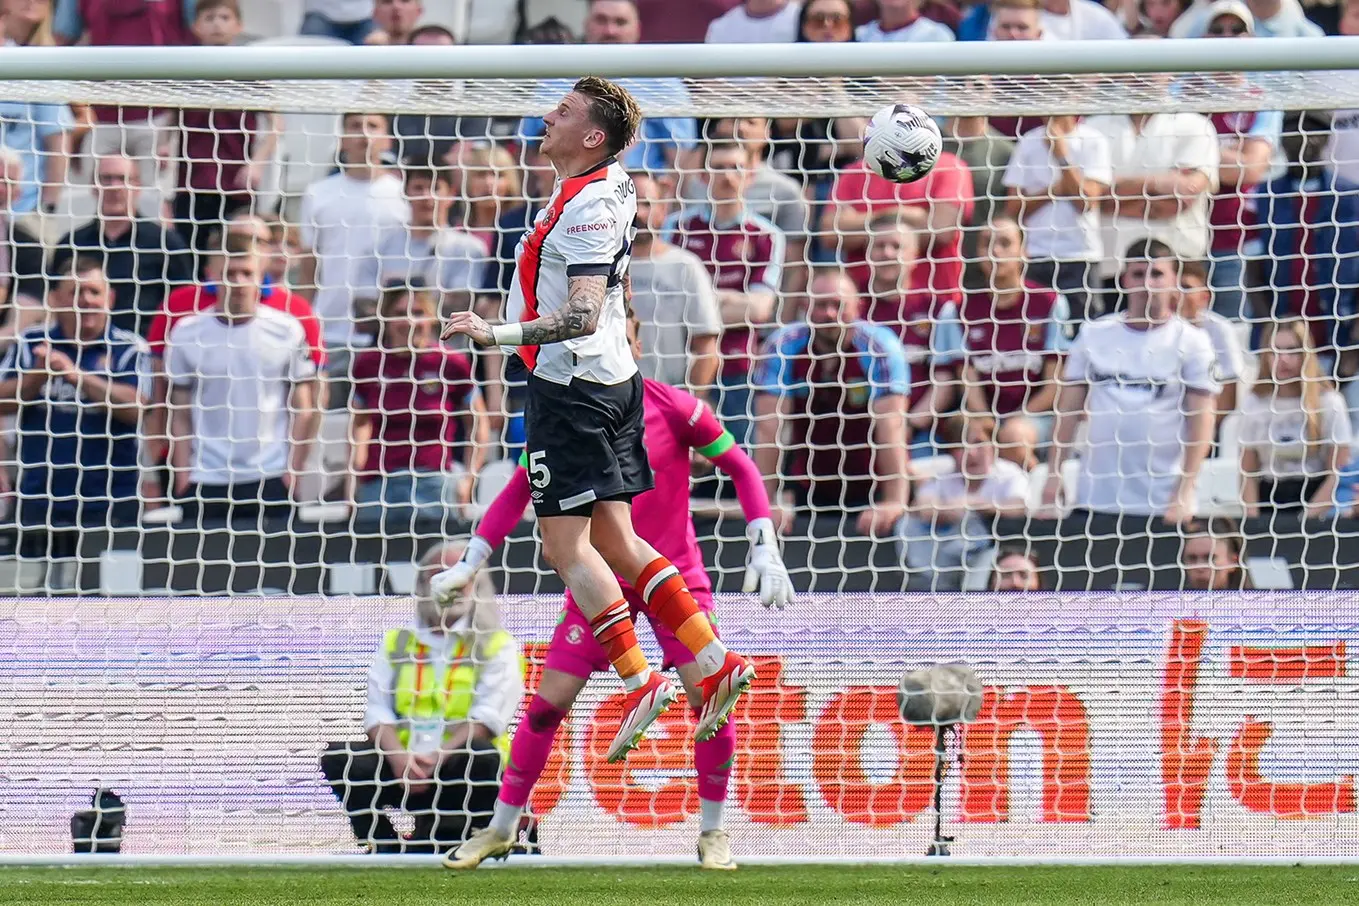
(1324, 68)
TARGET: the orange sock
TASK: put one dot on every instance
(669, 600)
(615, 633)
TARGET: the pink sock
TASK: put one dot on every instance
(712, 760)
(529, 751)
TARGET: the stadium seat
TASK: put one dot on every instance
(1220, 488)
(1229, 438)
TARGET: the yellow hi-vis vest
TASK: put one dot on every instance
(417, 694)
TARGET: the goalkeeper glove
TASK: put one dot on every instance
(448, 584)
(765, 568)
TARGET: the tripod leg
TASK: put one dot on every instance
(940, 846)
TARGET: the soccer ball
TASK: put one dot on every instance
(902, 143)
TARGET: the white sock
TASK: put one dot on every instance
(505, 819)
(712, 657)
(710, 813)
(636, 681)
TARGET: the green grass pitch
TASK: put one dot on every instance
(818, 884)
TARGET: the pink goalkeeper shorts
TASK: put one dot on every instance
(574, 650)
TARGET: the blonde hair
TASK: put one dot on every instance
(1314, 384)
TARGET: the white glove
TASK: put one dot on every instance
(765, 568)
(448, 584)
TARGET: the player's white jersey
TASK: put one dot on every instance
(586, 228)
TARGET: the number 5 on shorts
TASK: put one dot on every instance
(540, 476)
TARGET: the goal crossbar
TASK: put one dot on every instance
(720, 80)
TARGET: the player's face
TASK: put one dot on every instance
(1208, 563)
(612, 22)
(1015, 25)
(569, 128)
(727, 174)
(1015, 572)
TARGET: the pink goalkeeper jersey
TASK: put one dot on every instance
(676, 422)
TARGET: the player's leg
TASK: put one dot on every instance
(572, 656)
(714, 756)
(572, 466)
(670, 603)
(713, 760)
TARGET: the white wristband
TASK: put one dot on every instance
(760, 532)
(508, 334)
(476, 552)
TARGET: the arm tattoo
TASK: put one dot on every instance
(577, 318)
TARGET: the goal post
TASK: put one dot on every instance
(1142, 701)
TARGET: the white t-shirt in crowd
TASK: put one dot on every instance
(1168, 141)
(241, 375)
(1343, 152)
(1229, 353)
(1276, 429)
(1086, 21)
(1137, 382)
(1061, 230)
(496, 695)
(1007, 485)
(674, 299)
(342, 220)
(922, 29)
(736, 26)
(447, 260)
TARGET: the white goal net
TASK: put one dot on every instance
(1076, 410)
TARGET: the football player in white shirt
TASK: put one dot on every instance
(1144, 379)
(584, 449)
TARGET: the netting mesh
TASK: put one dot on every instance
(1088, 93)
(214, 506)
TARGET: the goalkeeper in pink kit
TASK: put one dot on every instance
(676, 423)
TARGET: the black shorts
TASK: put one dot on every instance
(584, 443)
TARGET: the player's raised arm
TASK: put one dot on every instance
(504, 513)
(765, 569)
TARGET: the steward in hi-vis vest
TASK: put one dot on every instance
(441, 695)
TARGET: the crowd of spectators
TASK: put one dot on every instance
(1068, 317)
